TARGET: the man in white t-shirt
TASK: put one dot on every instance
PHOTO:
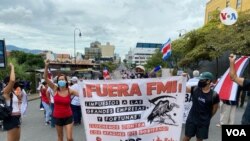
(40, 95)
(195, 79)
(75, 102)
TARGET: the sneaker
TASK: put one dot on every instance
(47, 123)
(41, 109)
(218, 125)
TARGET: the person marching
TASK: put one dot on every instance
(245, 84)
(45, 102)
(50, 94)
(12, 124)
(205, 105)
(75, 102)
(62, 111)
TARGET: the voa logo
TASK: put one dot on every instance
(228, 16)
(137, 139)
(236, 132)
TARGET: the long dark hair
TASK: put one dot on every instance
(65, 77)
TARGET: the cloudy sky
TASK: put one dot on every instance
(50, 24)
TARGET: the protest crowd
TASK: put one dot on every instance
(61, 104)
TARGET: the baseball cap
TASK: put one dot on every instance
(75, 79)
(206, 75)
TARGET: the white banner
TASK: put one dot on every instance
(188, 100)
(133, 110)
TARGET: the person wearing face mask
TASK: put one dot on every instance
(12, 124)
(205, 105)
(62, 114)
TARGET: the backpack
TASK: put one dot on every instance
(5, 111)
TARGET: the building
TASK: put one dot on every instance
(117, 58)
(212, 5)
(62, 57)
(129, 56)
(99, 52)
(48, 55)
(107, 51)
(64, 62)
(79, 56)
(71, 66)
(142, 53)
(94, 51)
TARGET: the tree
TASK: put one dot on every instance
(156, 60)
(125, 61)
(32, 61)
(23, 62)
(109, 65)
(19, 69)
(209, 42)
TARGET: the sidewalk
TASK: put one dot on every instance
(33, 97)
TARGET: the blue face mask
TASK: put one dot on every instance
(61, 83)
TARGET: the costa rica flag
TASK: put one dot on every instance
(105, 73)
(166, 50)
(226, 88)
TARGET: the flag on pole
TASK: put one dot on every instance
(105, 73)
(154, 71)
(226, 88)
(157, 68)
(166, 50)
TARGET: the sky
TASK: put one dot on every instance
(50, 24)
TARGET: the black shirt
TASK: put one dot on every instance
(201, 110)
(246, 85)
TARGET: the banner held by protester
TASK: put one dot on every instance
(130, 109)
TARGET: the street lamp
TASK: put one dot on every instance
(80, 34)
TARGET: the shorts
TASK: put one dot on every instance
(63, 121)
(201, 131)
(11, 123)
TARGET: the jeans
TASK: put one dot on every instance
(47, 111)
(77, 114)
(52, 122)
(246, 115)
(41, 105)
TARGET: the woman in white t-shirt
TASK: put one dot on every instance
(12, 123)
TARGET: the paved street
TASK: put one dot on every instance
(117, 73)
(215, 132)
(34, 129)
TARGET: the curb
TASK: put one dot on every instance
(33, 99)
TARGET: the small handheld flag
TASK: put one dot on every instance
(157, 68)
(105, 73)
(166, 50)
